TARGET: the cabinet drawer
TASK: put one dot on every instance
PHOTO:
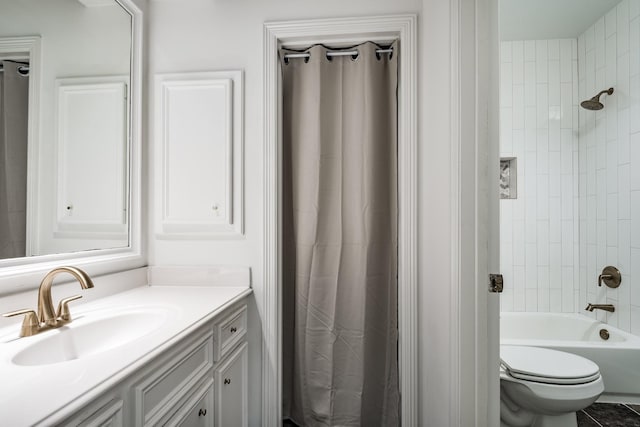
(169, 382)
(107, 415)
(230, 330)
(231, 407)
(197, 411)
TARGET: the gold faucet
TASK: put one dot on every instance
(47, 317)
(606, 307)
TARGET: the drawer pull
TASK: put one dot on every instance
(227, 381)
(233, 329)
(202, 412)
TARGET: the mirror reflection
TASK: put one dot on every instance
(577, 145)
(64, 126)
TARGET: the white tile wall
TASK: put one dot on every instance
(578, 206)
(539, 83)
(609, 56)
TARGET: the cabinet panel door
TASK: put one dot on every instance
(92, 158)
(199, 155)
(231, 386)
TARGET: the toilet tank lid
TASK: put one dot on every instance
(546, 363)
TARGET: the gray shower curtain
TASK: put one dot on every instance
(340, 337)
(14, 95)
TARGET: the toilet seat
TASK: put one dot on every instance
(547, 366)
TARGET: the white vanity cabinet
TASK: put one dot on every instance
(199, 381)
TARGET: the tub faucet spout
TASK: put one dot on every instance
(606, 307)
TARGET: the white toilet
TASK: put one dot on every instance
(540, 387)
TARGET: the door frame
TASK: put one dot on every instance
(475, 236)
(475, 122)
(341, 31)
(30, 46)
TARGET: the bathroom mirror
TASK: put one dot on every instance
(76, 196)
(578, 205)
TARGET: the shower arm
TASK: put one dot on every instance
(607, 91)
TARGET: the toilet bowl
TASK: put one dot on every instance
(540, 387)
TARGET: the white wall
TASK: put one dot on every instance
(538, 121)
(609, 56)
(204, 35)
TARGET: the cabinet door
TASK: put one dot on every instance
(231, 389)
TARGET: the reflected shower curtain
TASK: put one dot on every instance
(340, 337)
(14, 95)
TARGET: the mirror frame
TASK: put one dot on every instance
(21, 274)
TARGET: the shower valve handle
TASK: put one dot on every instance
(610, 276)
(603, 276)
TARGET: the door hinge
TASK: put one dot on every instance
(496, 283)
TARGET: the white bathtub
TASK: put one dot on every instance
(618, 357)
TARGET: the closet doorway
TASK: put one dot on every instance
(341, 32)
(339, 235)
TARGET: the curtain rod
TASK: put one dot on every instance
(334, 53)
(23, 70)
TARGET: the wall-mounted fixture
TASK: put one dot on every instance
(201, 153)
(594, 103)
(606, 307)
(610, 276)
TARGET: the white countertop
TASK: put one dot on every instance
(47, 394)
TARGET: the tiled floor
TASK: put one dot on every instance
(609, 415)
(596, 415)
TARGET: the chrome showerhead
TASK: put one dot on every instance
(594, 103)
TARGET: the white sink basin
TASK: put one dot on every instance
(91, 334)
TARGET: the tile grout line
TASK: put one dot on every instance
(592, 419)
(631, 409)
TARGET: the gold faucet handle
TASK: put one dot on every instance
(30, 324)
(63, 308)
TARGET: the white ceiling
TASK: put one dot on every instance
(549, 19)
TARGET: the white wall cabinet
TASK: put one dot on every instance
(199, 158)
(92, 144)
(200, 381)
